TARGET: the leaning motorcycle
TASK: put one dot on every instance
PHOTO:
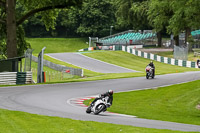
(149, 72)
(99, 106)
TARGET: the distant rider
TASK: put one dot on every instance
(152, 65)
(198, 63)
(110, 98)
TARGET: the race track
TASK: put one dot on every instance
(86, 62)
(52, 99)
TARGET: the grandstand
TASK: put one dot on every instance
(196, 34)
(127, 38)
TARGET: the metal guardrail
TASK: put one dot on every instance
(61, 68)
(13, 78)
(24, 78)
(8, 78)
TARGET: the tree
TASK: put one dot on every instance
(135, 14)
(69, 21)
(124, 14)
(12, 20)
(185, 18)
(175, 16)
(2, 29)
(132, 14)
(96, 17)
(159, 14)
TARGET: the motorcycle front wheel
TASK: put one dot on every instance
(88, 110)
(147, 76)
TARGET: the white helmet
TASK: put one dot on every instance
(110, 92)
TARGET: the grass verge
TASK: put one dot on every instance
(170, 54)
(176, 103)
(57, 45)
(54, 45)
(130, 61)
(20, 122)
(123, 59)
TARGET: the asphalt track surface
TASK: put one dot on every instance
(82, 61)
(53, 99)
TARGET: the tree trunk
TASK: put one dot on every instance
(188, 38)
(176, 39)
(187, 34)
(11, 29)
(159, 36)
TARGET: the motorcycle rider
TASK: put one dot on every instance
(198, 63)
(152, 65)
(110, 98)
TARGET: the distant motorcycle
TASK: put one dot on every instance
(198, 64)
(99, 106)
(149, 72)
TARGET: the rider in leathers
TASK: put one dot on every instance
(152, 65)
(110, 98)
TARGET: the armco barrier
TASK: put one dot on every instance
(8, 78)
(158, 58)
(13, 78)
(24, 78)
(72, 71)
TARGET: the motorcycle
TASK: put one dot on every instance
(198, 64)
(99, 106)
(149, 72)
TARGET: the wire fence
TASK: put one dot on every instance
(61, 68)
(181, 53)
(53, 76)
(28, 59)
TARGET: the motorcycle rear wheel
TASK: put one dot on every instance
(99, 110)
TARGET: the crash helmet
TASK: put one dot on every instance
(110, 92)
(151, 62)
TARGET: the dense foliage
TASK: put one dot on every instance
(93, 19)
(13, 13)
(66, 18)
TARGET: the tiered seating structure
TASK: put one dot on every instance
(196, 34)
(126, 38)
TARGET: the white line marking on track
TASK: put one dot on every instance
(108, 63)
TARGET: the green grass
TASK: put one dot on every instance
(142, 101)
(20, 122)
(123, 59)
(176, 103)
(52, 75)
(130, 61)
(90, 75)
(169, 54)
(57, 45)
(120, 58)
(87, 73)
